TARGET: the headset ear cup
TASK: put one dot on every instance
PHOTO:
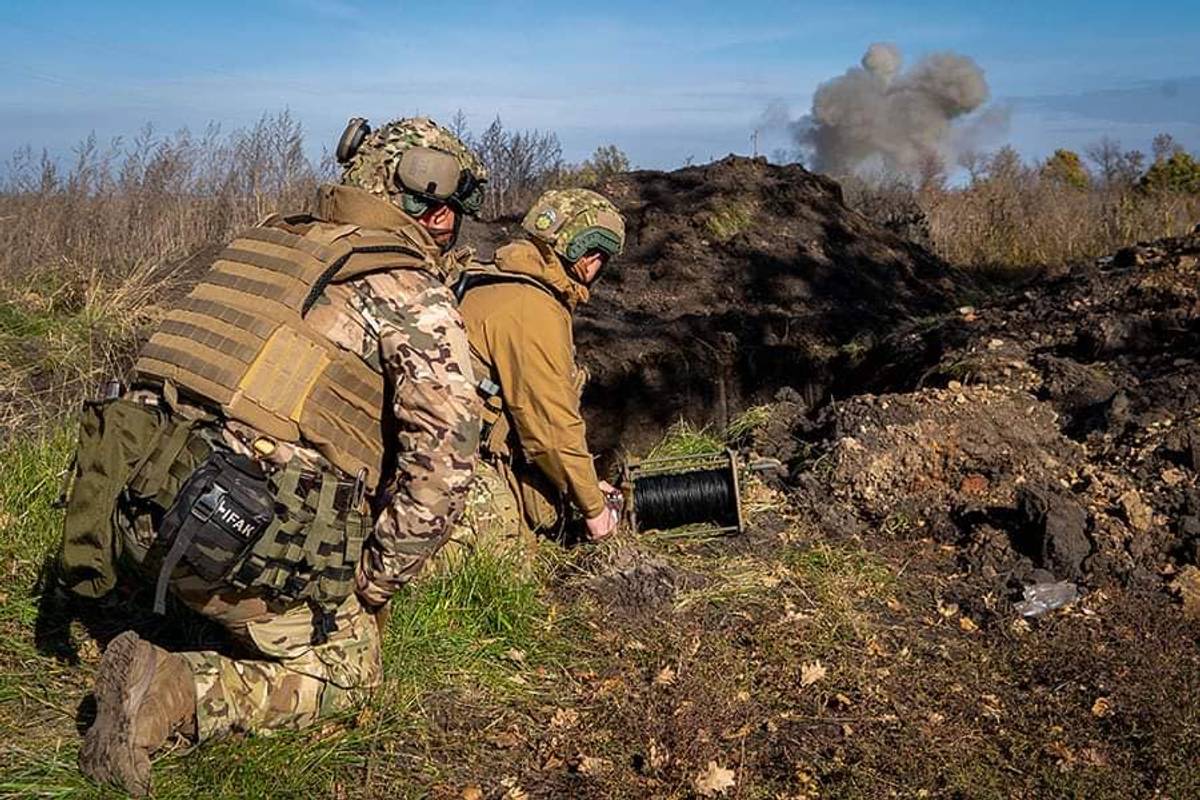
(352, 138)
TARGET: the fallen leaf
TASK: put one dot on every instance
(740, 733)
(515, 792)
(743, 696)
(472, 793)
(564, 718)
(967, 624)
(811, 673)
(947, 610)
(665, 677)
(658, 756)
(714, 780)
(875, 648)
(843, 701)
(506, 739)
(515, 655)
(589, 765)
(1101, 707)
(1093, 757)
(1061, 752)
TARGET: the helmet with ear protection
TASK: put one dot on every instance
(413, 163)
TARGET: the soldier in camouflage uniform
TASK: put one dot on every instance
(518, 314)
(321, 365)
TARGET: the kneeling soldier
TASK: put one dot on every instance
(518, 314)
(299, 439)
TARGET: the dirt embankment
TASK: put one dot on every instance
(739, 278)
(1054, 435)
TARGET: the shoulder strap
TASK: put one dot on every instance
(488, 276)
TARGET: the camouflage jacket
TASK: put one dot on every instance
(422, 350)
(405, 324)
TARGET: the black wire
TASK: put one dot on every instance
(672, 501)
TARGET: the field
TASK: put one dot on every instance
(859, 639)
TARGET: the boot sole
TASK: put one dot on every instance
(108, 754)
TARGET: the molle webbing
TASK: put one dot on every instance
(240, 339)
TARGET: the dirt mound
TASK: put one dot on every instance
(1055, 434)
(740, 277)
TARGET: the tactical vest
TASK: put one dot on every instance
(240, 339)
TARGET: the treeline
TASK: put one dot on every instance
(1013, 213)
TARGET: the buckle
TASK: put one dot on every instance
(360, 489)
(207, 504)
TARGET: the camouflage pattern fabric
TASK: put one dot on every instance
(404, 323)
(492, 521)
(407, 322)
(373, 167)
(560, 215)
(294, 683)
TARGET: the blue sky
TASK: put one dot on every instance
(666, 81)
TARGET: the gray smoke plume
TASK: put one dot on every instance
(881, 112)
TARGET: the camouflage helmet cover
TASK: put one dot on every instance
(373, 166)
(574, 221)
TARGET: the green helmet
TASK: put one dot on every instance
(412, 163)
(574, 221)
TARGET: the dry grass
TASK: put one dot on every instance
(87, 253)
(1014, 216)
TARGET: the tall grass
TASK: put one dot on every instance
(1017, 216)
(89, 251)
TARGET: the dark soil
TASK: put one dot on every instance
(739, 278)
(1051, 435)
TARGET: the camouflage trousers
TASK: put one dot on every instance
(504, 512)
(285, 681)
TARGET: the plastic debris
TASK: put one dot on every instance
(1043, 597)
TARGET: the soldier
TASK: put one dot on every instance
(518, 316)
(299, 439)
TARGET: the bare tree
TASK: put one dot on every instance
(520, 164)
(1164, 146)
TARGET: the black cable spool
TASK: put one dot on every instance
(679, 493)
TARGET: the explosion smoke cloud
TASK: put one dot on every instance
(880, 111)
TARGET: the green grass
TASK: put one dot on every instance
(476, 625)
(685, 438)
(730, 220)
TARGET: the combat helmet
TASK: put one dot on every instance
(413, 163)
(575, 221)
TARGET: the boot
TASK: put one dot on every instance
(144, 694)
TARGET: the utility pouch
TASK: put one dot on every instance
(220, 512)
(115, 439)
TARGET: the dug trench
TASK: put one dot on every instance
(941, 446)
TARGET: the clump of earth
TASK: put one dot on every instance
(1052, 435)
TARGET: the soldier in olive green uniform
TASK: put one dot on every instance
(518, 315)
(299, 439)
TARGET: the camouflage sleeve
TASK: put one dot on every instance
(426, 360)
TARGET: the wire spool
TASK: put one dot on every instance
(676, 493)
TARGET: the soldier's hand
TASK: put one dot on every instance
(603, 524)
